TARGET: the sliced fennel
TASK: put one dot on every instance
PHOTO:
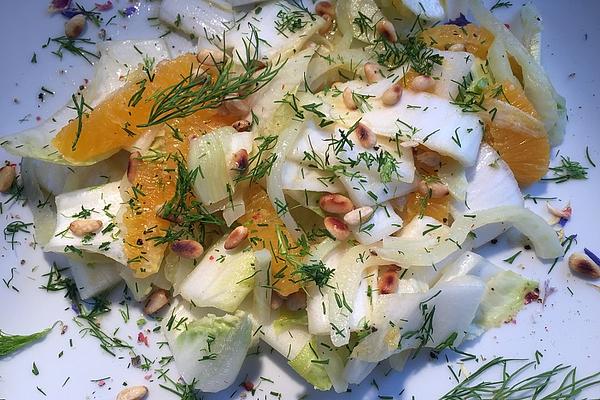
(262, 292)
(311, 367)
(96, 203)
(222, 279)
(538, 88)
(418, 252)
(117, 61)
(383, 223)
(94, 274)
(198, 19)
(208, 350)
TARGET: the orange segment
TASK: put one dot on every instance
(154, 184)
(527, 156)
(112, 125)
(263, 222)
(418, 205)
(477, 40)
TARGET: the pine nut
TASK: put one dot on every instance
(74, 26)
(358, 216)
(387, 281)
(323, 8)
(366, 137)
(243, 125)
(133, 393)
(584, 266)
(296, 301)
(422, 83)
(187, 248)
(386, 29)
(434, 189)
(372, 72)
(335, 203)
(82, 227)
(133, 166)
(8, 174)
(348, 99)
(240, 160)
(457, 47)
(392, 95)
(210, 58)
(236, 237)
(156, 301)
(337, 228)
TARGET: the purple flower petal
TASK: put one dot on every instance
(129, 11)
(460, 21)
(70, 12)
(104, 7)
(58, 5)
(591, 255)
(562, 221)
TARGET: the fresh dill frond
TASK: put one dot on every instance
(73, 46)
(316, 272)
(567, 170)
(501, 4)
(81, 108)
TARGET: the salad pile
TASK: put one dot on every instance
(317, 177)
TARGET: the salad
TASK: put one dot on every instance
(317, 177)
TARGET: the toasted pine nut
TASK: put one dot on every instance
(392, 95)
(386, 29)
(133, 393)
(187, 248)
(74, 26)
(584, 266)
(422, 83)
(409, 143)
(366, 137)
(457, 47)
(237, 236)
(358, 216)
(435, 189)
(8, 174)
(335, 203)
(372, 72)
(82, 227)
(429, 158)
(210, 58)
(387, 281)
(296, 301)
(323, 8)
(243, 125)
(133, 165)
(156, 301)
(348, 100)
(337, 228)
(240, 160)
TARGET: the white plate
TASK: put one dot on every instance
(565, 330)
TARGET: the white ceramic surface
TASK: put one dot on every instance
(565, 330)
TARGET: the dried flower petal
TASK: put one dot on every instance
(58, 5)
(104, 7)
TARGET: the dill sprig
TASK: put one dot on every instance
(413, 52)
(290, 20)
(199, 90)
(80, 107)
(567, 170)
(57, 282)
(501, 4)
(12, 229)
(88, 321)
(509, 385)
(73, 46)
(12, 343)
(91, 15)
(261, 162)
(470, 96)
(316, 272)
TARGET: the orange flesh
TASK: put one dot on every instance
(417, 205)
(262, 221)
(477, 40)
(527, 156)
(102, 133)
(157, 181)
